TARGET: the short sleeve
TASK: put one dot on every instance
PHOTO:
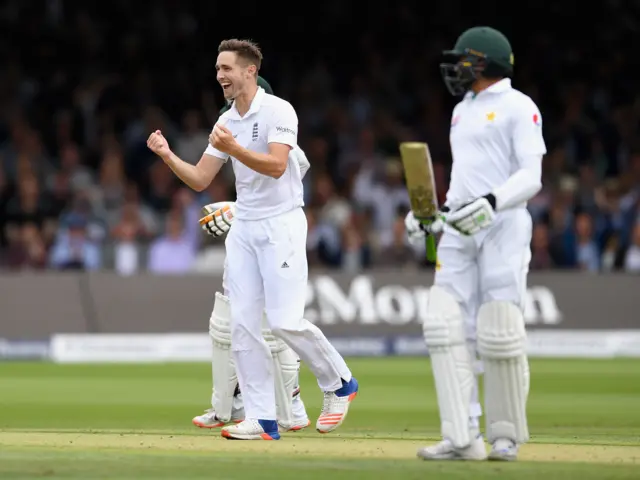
(214, 152)
(283, 127)
(527, 130)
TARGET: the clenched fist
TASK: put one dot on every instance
(222, 139)
(158, 144)
(218, 218)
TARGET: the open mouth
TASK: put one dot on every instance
(226, 86)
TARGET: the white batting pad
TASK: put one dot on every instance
(451, 362)
(223, 369)
(502, 346)
(286, 365)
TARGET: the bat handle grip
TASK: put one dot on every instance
(431, 249)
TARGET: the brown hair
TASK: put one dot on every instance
(245, 49)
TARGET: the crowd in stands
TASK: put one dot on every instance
(83, 85)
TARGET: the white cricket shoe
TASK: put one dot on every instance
(336, 405)
(209, 420)
(504, 450)
(446, 451)
(298, 424)
(252, 430)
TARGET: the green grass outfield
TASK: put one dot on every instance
(134, 422)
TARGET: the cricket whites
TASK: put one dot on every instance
(418, 172)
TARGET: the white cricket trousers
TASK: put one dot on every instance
(489, 266)
(267, 272)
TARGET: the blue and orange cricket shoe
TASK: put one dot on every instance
(336, 405)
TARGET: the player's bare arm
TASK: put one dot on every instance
(198, 176)
(272, 164)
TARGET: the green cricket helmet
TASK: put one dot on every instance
(261, 83)
(479, 50)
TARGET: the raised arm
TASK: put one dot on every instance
(282, 137)
(198, 176)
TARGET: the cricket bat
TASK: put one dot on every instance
(418, 171)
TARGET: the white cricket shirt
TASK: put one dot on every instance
(489, 133)
(270, 119)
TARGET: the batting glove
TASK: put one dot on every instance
(218, 218)
(418, 230)
(474, 216)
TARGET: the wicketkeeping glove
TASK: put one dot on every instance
(474, 216)
(218, 218)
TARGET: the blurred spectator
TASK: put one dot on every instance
(80, 177)
(81, 99)
(357, 251)
(5, 196)
(312, 239)
(73, 249)
(60, 193)
(146, 219)
(126, 249)
(160, 187)
(611, 256)
(540, 256)
(173, 252)
(82, 207)
(29, 205)
(332, 214)
(26, 249)
(632, 257)
(368, 162)
(398, 253)
(193, 140)
(385, 197)
(112, 183)
(129, 234)
(186, 202)
(317, 153)
(587, 249)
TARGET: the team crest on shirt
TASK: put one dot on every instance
(537, 120)
(491, 116)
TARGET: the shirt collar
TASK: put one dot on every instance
(498, 87)
(501, 86)
(256, 103)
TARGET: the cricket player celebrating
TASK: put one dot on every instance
(226, 398)
(476, 304)
(266, 264)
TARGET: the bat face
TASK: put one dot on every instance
(422, 202)
(418, 170)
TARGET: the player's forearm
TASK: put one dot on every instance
(521, 186)
(190, 174)
(263, 163)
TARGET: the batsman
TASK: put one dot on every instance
(475, 307)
